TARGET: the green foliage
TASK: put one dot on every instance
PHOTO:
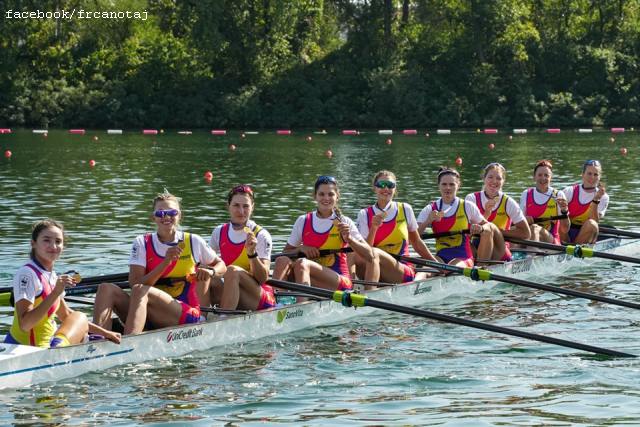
(323, 63)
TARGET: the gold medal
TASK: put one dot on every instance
(336, 222)
(603, 184)
(246, 230)
(383, 214)
(441, 213)
(181, 245)
(77, 277)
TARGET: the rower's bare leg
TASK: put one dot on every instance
(203, 290)
(311, 273)
(109, 299)
(75, 327)
(215, 290)
(158, 306)
(588, 232)
(486, 245)
(239, 287)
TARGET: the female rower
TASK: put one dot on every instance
(37, 294)
(326, 228)
(161, 273)
(245, 248)
(501, 211)
(388, 227)
(587, 204)
(543, 201)
(451, 214)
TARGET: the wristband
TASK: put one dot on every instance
(597, 202)
(252, 256)
(564, 212)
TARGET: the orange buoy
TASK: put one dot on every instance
(459, 160)
(92, 162)
(208, 175)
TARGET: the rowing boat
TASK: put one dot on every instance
(25, 365)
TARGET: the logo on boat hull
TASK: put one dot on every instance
(184, 335)
(521, 266)
(422, 288)
(286, 314)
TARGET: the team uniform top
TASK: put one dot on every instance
(28, 284)
(579, 207)
(239, 237)
(322, 233)
(393, 216)
(511, 207)
(202, 253)
(540, 199)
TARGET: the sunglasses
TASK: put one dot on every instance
(592, 163)
(545, 163)
(385, 184)
(163, 213)
(241, 189)
(325, 179)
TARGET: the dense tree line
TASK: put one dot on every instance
(321, 63)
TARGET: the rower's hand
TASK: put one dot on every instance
(64, 281)
(173, 254)
(113, 336)
(345, 232)
(434, 216)
(310, 251)
(251, 243)
(529, 219)
(601, 192)
(204, 273)
(491, 203)
(562, 204)
(476, 229)
(377, 221)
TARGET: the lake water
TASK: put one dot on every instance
(388, 369)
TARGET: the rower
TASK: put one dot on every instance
(389, 227)
(183, 261)
(587, 204)
(501, 211)
(39, 292)
(245, 248)
(326, 228)
(543, 201)
(450, 213)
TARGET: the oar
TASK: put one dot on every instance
(323, 252)
(432, 235)
(351, 299)
(618, 232)
(478, 274)
(119, 277)
(575, 250)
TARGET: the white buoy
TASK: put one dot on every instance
(385, 132)
(444, 131)
(585, 130)
(519, 131)
(114, 131)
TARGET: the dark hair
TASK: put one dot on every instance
(448, 170)
(240, 189)
(39, 226)
(546, 163)
(328, 179)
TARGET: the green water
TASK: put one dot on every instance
(384, 370)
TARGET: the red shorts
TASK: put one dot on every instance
(467, 261)
(189, 314)
(267, 297)
(409, 273)
(345, 284)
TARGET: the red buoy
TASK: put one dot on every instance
(95, 138)
(388, 142)
(208, 175)
(491, 145)
(308, 138)
(510, 137)
(624, 150)
(92, 162)
(44, 134)
(242, 135)
(233, 147)
(7, 153)
(611, 140)
(329, 153)
(458, 160)
(427, 135)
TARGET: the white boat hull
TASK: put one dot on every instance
(24, 365)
